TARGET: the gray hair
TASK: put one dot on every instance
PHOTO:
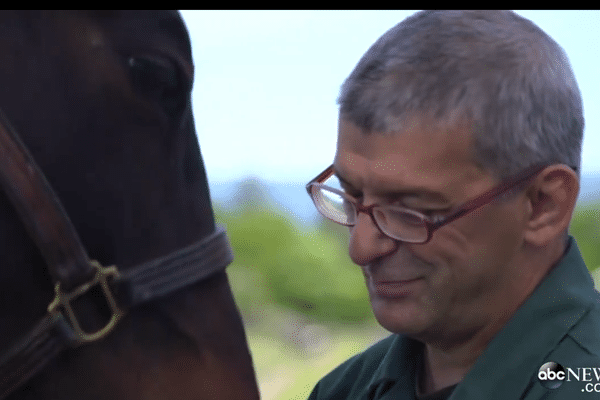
(495, 70)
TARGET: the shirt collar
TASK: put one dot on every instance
(398, 366)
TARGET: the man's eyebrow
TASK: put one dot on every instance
(417, 192)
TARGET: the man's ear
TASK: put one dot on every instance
(551, 196)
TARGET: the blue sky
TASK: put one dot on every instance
(266, 84)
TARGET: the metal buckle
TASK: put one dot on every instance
(64, 299)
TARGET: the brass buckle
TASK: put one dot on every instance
(64, 300)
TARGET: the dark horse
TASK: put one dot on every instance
(102, 102)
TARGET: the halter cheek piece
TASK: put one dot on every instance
(73, 273)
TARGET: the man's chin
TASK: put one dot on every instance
(402, 317)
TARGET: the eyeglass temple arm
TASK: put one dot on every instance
(323, 176)
(490, 195)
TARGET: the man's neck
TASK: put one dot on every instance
(441, 369)
(445, 366)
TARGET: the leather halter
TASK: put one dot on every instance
(73, 273)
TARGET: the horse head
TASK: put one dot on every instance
(102, 102)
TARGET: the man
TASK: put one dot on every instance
(456, 170)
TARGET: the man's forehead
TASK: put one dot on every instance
(422, 156)
(419, 138)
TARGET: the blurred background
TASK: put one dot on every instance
(264, 97)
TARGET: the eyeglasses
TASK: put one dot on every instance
(397, 222)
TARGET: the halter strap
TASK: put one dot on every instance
(74, 273)
(41, 211)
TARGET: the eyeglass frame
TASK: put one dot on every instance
(431, 224)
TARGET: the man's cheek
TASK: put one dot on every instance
(448, 246)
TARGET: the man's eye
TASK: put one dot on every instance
(430, 212)
(350, 191)
(353, 193)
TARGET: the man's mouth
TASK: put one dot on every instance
(396, 288)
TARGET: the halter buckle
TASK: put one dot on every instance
(63, 300)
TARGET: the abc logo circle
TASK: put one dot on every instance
(551, 375)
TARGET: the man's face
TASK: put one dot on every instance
(465, 276)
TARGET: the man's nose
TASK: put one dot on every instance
(367, 242)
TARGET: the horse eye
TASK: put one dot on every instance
(158, 79)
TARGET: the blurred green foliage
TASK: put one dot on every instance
(304, 269)
(585, 227)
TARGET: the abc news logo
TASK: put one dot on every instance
(552, 375)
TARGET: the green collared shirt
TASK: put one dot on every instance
(559, 322)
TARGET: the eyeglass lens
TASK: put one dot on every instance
(395, 223)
